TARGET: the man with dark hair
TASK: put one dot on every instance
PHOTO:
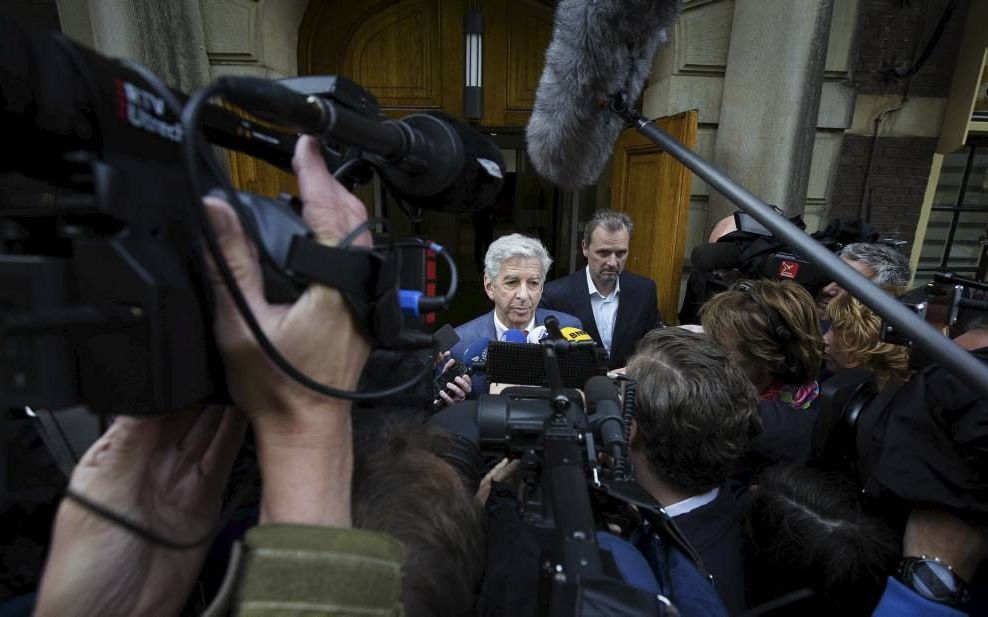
(807, 530)
(616, 307)
(696, 414)
(403, 487)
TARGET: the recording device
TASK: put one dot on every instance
(105, 300)
(948, 301)
(577, 478)
(918, 442)
(752, 252)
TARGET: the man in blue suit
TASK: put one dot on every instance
(617, 307)
(515, 268)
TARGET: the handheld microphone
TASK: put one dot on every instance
(552, 326)
(600, 54)
(606, 420)
(475, 355)
(576, 335)
(716, 256)
(537, 334)
(514, 335)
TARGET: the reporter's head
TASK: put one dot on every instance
(696, 411)
(770, 328)
(405, 488)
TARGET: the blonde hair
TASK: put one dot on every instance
(857, 330)
(751, 317)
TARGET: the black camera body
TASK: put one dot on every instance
(544, 556)
(752, 252)
(104, 295)
(918, 442)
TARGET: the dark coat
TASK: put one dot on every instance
(637, 309)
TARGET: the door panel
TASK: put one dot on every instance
(654, 190)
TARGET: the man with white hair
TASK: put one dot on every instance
(515, 269)
(883, 264)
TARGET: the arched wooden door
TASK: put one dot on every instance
(410, 53)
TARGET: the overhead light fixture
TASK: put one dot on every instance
(473, 88)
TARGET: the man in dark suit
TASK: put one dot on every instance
(514, 272)
(695, 416)
(616, 307)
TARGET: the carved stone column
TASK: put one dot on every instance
(771, 100)
(167, 37)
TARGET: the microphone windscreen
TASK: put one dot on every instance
(599, 49)
(476, 351)
(514, 336)
(537, 334)
(716, 256)
(599, 388)
(575, 335)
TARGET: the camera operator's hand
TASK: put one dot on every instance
(303, 437)
(164, 473)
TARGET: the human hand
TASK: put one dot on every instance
(304, 438)
(164, 473)
(504, 471)
(460, 386)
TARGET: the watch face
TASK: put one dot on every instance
(932, 579)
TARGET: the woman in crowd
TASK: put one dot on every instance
(770, 328)
(854, 341)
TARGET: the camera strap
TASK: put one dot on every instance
(368, 280)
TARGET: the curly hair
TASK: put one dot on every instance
(696, 410)
(856, 330)
(744, 320)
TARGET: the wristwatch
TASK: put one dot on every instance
(933, 579)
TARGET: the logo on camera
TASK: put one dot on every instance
(788, 269)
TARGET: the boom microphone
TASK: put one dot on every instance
(601, 52)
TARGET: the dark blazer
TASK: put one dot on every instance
(483, 327)
(637, 309)
(714, 530)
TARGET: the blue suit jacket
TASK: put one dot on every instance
(483, 327)
(637, 309)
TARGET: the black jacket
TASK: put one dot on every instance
(637, 309)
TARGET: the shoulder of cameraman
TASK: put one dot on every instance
(319, 571)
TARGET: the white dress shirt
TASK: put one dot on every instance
(604, 310)
(692, 503)
(500, 328)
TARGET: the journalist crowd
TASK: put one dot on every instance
(778, 447)
(769, 498)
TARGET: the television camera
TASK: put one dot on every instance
(920, 441)
(104, 296)
(569, 428)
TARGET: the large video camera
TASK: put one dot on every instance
(577, 480)
(102, 286)
(752, 252)
(924, 441)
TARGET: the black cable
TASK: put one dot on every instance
(930, 44)
(190, 125)
(150, 535)
(454, 278)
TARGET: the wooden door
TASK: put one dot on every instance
(654, 190)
